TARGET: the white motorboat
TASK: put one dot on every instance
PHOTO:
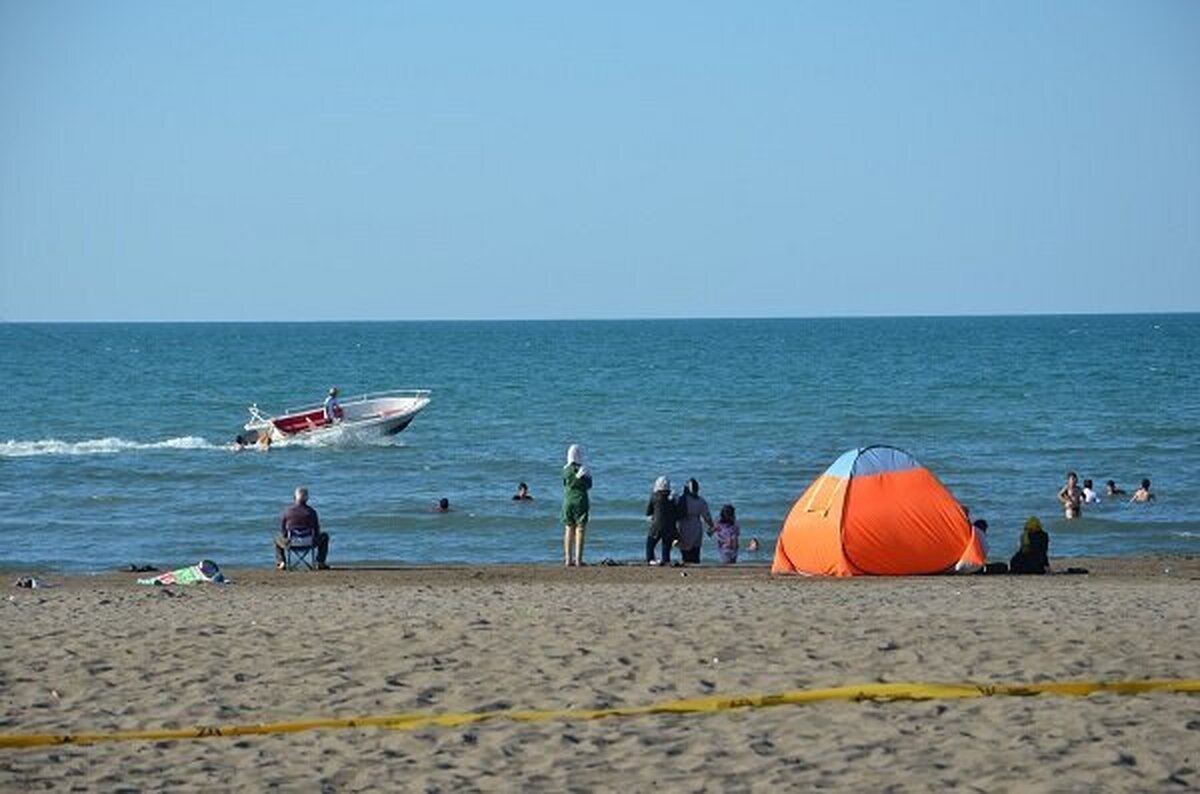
(379, 413)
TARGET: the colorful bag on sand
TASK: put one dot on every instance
(203, 572)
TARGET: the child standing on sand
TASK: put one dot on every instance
(728, 535)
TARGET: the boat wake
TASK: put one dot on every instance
(338, 436)
(97, 446)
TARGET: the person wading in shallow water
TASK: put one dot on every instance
(577, 481)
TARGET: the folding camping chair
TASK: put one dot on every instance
(301, 549)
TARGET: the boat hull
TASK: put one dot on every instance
(381, 415)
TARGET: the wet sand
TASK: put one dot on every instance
(101, 653)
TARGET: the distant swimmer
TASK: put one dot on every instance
(1143, 494)
(1111, 489)
(442, 506)
(239, 443)
(522, 494)
(1071, 496)
(333, 409)
(1089, 493)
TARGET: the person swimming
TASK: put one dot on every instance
(442, 506)
(522, 494)
(1143, 494)
(1071, 497)
(1111, 489)
(1089, 493)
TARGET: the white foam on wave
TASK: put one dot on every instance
(96, 446)
(338, 437)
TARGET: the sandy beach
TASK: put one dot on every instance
(100, 653)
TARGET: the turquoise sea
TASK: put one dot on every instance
(113, 438)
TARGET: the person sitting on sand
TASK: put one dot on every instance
(728, 534)
(522, 494)
(1142, 494)
(299, 516)
(1089, 493)
(661, 515)
(1034, 554)
(1071, 496)
(690, 510)
(1111, 489)
(577, 481)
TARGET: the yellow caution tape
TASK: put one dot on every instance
(417, 720)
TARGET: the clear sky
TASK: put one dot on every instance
(403, 160)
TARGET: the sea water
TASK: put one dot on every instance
(114, 437)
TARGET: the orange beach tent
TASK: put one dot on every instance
(876, 511)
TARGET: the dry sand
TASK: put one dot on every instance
(101, 653)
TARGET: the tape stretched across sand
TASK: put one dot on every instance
(417, 720)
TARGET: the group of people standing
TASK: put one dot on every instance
(1073, 497)
(673, 520)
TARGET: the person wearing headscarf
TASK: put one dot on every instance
(1033, 556)
(691, 509)
(660, 513)
(577, 481)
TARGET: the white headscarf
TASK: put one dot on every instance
(575, 454)
(662, 485)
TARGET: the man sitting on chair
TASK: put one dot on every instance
(299, 516)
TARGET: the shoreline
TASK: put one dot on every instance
(623, 571)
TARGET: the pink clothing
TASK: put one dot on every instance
(728, 539)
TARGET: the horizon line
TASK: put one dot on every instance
(680, 318)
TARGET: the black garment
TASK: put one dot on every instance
(281, 543)
(1036, 558)
(691, 555)
(661, 509)
(299, 516)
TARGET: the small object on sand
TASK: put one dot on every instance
(203, 572)
(32, 583)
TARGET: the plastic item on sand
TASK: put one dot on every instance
(203, 572)
(876, 511)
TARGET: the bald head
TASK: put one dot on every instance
(301, 496)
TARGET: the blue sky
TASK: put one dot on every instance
(395, 160)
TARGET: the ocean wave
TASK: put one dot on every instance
(96, 446)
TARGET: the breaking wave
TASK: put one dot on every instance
(96, 446)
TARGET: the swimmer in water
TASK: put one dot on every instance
(1143, 494)
(1089, 493)
(1071, 497)
(1111, 489)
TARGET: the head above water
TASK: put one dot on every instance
(301, 495)
(1146, 484)
(1072, 477)
(575, 454)
(443, 503)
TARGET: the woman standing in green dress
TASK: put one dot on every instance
(577, 480)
